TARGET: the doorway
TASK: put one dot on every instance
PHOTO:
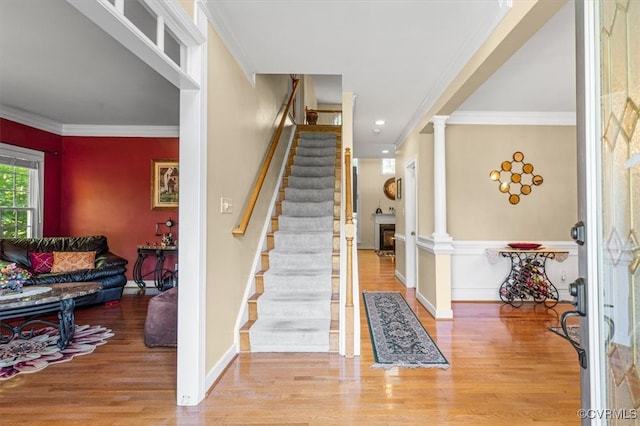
(608, 195)
(411, 225)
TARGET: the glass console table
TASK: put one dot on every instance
(527, 278)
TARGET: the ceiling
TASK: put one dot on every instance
(396, 57)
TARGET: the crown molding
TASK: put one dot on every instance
(51, 126)
(526, 118)
(30, 119)
(121, 131)
(212, 12)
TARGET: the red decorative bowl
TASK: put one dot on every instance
(525, 246)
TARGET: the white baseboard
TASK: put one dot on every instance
(220, 367)
(400, 277)
(438, 314)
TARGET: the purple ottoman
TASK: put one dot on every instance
(161, 325)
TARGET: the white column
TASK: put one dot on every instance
(439, 180)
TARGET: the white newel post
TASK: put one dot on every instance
(439, 180)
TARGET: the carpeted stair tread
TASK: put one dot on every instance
(293, 223)
(292, 281)
(282, 304)
(311, 240)
(307, 208)
(314, 161)
(317, 135)
(307, 151)
(312, 171)
(316, 195)
(290, 335)
(280, 259)
(315, 182)
(317, 143)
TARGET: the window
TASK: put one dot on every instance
(388, 166)
(20, 192)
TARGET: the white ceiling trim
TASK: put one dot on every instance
(30, 119)
(213, 13)
(451, 71)
(51, 126)
(121, 131)
(511, 118)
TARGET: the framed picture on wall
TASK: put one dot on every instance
(164, 184)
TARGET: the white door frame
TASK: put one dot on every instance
(410, 195)
(589, 182)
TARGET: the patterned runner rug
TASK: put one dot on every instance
(397, 336)
(33, 354)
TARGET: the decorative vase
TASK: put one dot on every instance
(312, 117)
(11, 287)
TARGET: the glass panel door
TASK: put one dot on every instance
(619, 239)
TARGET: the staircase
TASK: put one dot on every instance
(295, 306)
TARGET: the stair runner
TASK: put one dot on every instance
(294, 311)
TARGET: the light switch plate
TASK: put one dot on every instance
(226, 205)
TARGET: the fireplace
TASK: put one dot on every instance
(387, 232)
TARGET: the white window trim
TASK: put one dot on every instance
(382, 171)
(37, 157)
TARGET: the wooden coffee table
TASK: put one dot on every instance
(44, 300)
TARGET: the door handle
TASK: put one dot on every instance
(577, 233)
(577, 289)
(413, 233)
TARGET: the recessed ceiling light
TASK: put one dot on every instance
(385, 151)
(376, 131)
(380, 122)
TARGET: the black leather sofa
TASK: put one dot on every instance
(109, 268)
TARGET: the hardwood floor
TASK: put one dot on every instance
(506, 368)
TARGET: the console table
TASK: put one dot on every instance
(34, 301)
(527, 277)
(163, 278)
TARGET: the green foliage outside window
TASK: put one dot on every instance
(14, 201)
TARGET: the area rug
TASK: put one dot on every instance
(386, 253)
(397, 336)
(33, 354)
(572, 330)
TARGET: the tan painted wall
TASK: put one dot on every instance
(400, 256)
(188, 6)
(426, 285)
(370, 189)
(241, 122)
(309, 92)
(476, 210)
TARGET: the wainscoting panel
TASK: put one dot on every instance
(475, 278)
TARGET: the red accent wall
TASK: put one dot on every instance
(106, 189)
(13, 133)
(99, 185)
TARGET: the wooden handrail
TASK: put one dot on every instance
(350, 233)
(324, 110)
(242, 227)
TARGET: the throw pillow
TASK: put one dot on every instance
(41, 263)
(67, 261)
